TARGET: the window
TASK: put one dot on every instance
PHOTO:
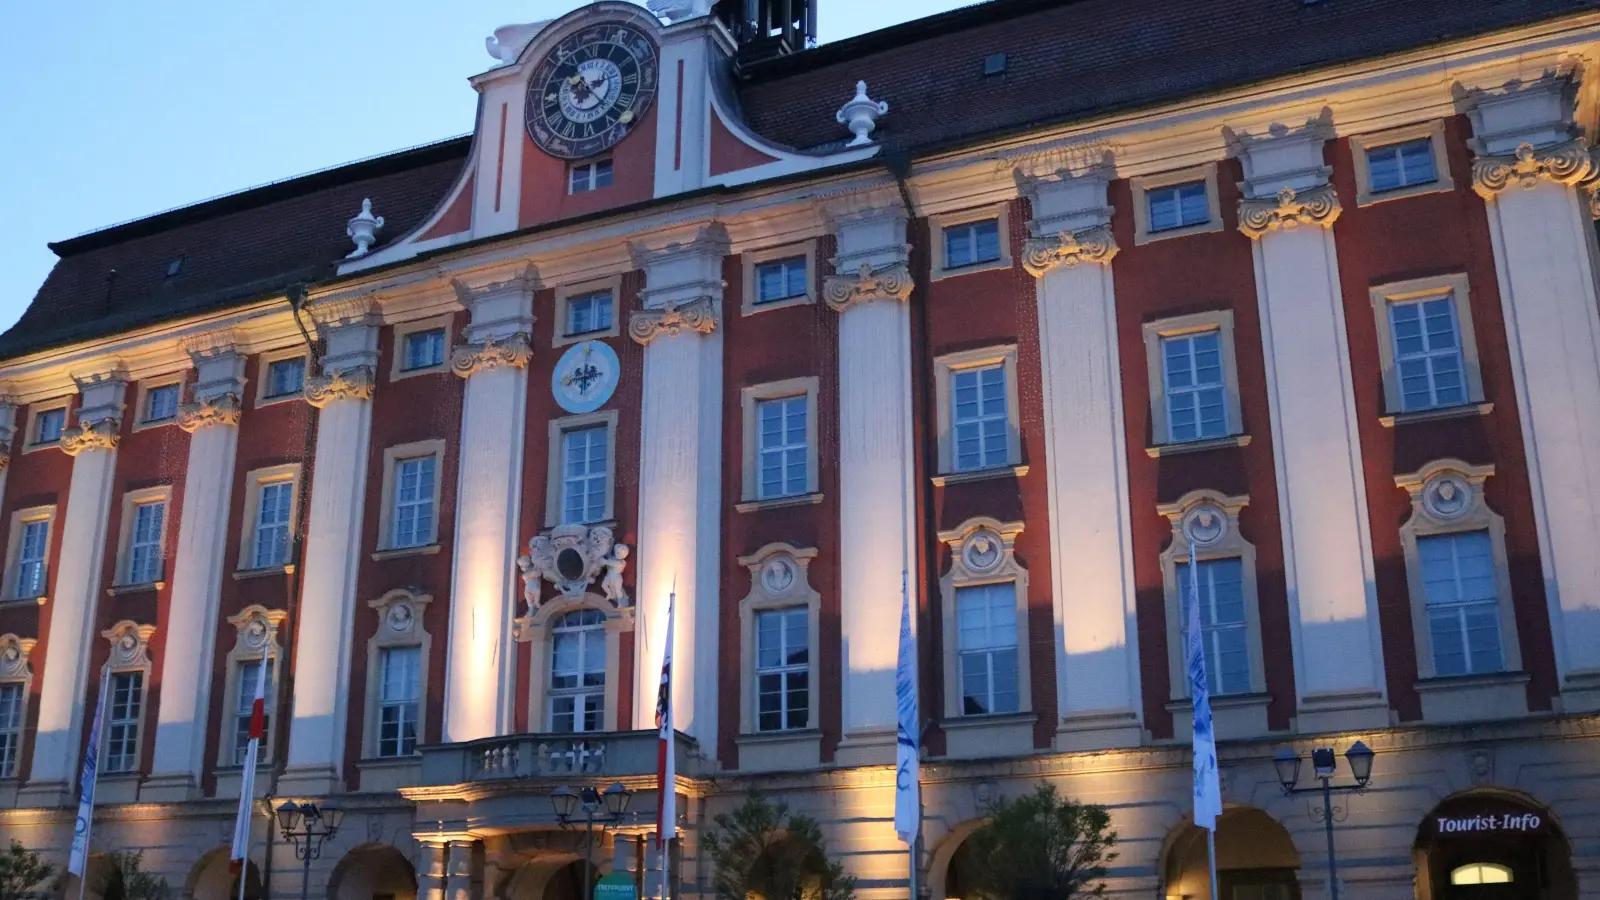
(144, 544)
(11, 716)
(590, 176)
(161, 403)
(32, 550)
(1427, 353)
(783, 669)
(1401, 165)
(980, 418)
(1175, 204)
(122, 736)
(49, 424)
(781, 279)
(584, 474)
(1196, 403)
(971, 243)
(285, 377)
(1481, 873)
(413, 501)
(250, 674)
(589, 312)
(273, 506)
(784, 455)
(578, 672)
(1463, 602)
(400, 686)
(423, 349)
(1400, 162)
(778, 277)
(986, 643)
(1178, 206)
(1222, 623)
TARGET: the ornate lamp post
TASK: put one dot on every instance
(307, 826)
(1323, 765)
(609, 805)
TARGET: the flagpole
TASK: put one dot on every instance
(1211, 854)
(1200, 695)
(96, 741)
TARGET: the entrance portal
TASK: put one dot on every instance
(1256, 859)
(1492, 846)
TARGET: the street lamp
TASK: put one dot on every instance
(608, 805)
(1323, 766)
(307, 826)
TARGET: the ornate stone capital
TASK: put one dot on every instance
(1068, 248)
(513, 350)
(890, 282)
(354, 383)
(1290, 209)
(697, 315)
(130, 644)
(1568, 163)
(101, 434)
(223, 409)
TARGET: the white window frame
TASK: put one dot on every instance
(581, 691)
(591, 169)
(130, 655)
(392, 457)
(1456, 287)
(142, 401)
(752, 260)
(564, 295)
(131, 503)
(35, 410)
(555, 485)
(403, 330)
(537, 630)
(749, 401)
(1141, 185)
(20, 519)
(1000, 212)
(17, 669)
(1362, 144)
(779, 580)
(1220, 321)
(256, 639)
(264, 370)
(983, 552)
(255, 480)
(400, 615)
(944, 368)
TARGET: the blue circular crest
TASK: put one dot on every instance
(585, 376)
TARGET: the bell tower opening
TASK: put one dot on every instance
(766, 29)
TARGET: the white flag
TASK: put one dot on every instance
(666, 757)
(907, 788)
(79, 859)
(1207, 789)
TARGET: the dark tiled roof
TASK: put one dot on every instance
(234, 249)
(1070, 58)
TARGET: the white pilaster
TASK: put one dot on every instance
(876, 465)
(1289, 210)
(479, 675)
(680, 480)
(682, 107)
(1091, 556)
(1529, 167)
(64, 690)
(213, 420)
(332, 548)
(8, 434)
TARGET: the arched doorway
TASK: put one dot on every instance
(213, 878)
(1256, 859)
(373, 872)
(548, 877)
(1492, 845)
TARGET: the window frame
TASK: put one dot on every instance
(937, 224)
(750, 399)
(564, 295)
(593, 167)
(751, 261)
(392, 457)
(983, 552)
(129, 655)
(555, 480)
(131, 502)
(35, 410)
(403, 330)
(264, 375)
(1456, 287)
(256, 641)
(1141, 185)
(255, 480)
(538, 631)
(552, 693)
(945, 367)
(1362, 144)
(401, 624)
(779, 580)
(142, 401)
(1155, 333)
(962, 653)
(16, 668)
(19, 519)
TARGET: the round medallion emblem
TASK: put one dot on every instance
(585, 376)
(1446, 495)
(1205, 524)
(777, 575)
(591, 89)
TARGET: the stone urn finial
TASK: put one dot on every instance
(363, 229)
(861, 114)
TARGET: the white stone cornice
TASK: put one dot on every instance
(1068, 248)
(525, 280)
(1283, 156)
(1290, 209)
(205, 344)
(682, 265)
(513, 350)
(1568, 163)
(346, 308)
(354, 383)
(1540, 111)
(699, 316)
(100, 434)
(203, 412)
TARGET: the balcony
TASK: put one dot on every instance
(597, 755)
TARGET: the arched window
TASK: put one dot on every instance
(1481, 873)
(578, 672)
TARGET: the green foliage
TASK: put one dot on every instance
(21, 870)
(126, 880)
(1041, 847)
(760, 850)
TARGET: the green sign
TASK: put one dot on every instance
(615, 886)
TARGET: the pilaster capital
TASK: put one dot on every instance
(890, 282)
(698, 315)
(1068, 248)
(354, 383)
(350, 308)
(523, 282)
(100, 434)
(202, 412)
(513, 350)
(1571, 162)
(1289, 210)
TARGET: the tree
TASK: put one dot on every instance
(126, 880)
(761, 850)
(1041, 847)
(20, 870)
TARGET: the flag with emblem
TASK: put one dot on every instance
(78, 860)
(247, 786)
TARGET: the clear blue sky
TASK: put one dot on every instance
(111, 110)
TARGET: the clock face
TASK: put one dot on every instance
(591, 90)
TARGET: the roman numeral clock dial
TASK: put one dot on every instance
(591, 89)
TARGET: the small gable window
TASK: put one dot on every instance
(590, 176)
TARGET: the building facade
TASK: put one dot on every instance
(1035, 310)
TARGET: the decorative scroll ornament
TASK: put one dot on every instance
(891, 282)
(571, 557)
(1290, 209)
(223, 409)
(512, 350)
(354, 383)
(1568, 163)
(698, 315)
(130, 644)
(1068, 248)
(14, 652)
(101, 434)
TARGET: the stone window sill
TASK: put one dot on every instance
(398, 552)
(1233, 716)
(389, 773)
(24, 601)
(1433, 415)
(1232, 440)
(1474, 698)
(989, 265)
(1366, 197)
(1209, 226)
(751, 309)
(978, 737)
(141, 588)
(779, 502)
(247, 574)
(979, 475)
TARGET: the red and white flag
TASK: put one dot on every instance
(247, 786)
(666, 758)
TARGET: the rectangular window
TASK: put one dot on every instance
(48, 425)
(31, 559)
(272, 525)
(1401, 165)
(1463, 602)
(782, 455)
(972, 243)
(1222, 623)
(399, 689)
(413, 501)
(1195, 394)
(781, 279)
(122, 736)
(424, 349)
(144, 545)
(589, 177)
(578, 672)
(161, 403)
(1427, 353)
(986, 648)
(1178, 206)
(589, 312)
(10, 728)
(979, 418)
(286, 376)
(783, 669)
(250, 673)
(583, 474)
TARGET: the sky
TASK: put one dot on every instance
(113, 110)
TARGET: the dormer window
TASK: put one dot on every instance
(589, 176)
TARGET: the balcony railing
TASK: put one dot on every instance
(601, 754)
